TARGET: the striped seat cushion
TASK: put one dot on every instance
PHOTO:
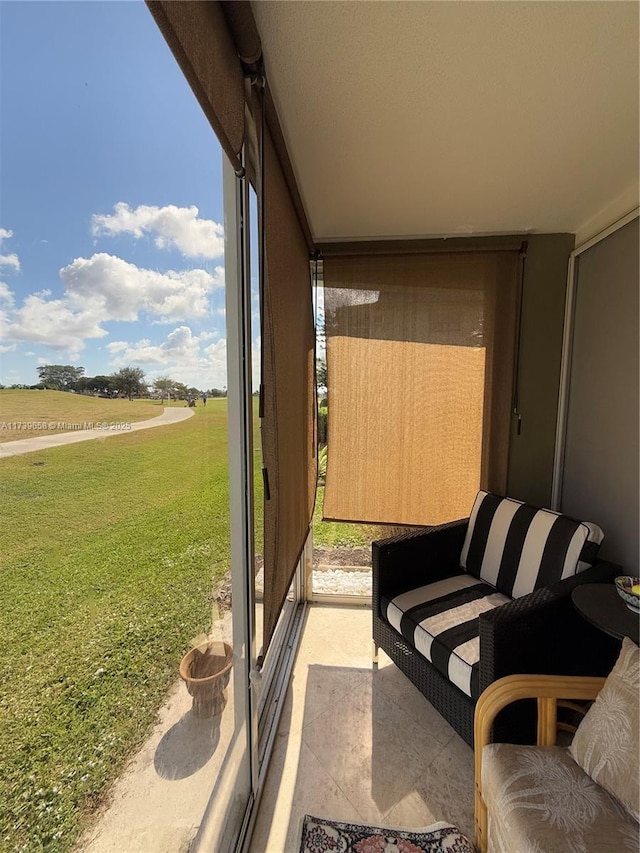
(518, 548)
(441, 621)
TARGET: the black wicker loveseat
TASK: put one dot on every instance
(451, 606)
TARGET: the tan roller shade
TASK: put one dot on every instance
(420, 367)
(206, 38)
(197, 33)
(288, 426)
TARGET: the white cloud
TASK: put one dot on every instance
(255, 363)
(52, 322)
(7, 295)
(181, 356)
(180, 345)
(114, 289)
(104, 289)
(171, 226)
(8, 347)
(11, 260)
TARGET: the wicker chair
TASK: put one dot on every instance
(530, 820)
(538, 633)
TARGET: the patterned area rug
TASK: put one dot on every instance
(330, 836)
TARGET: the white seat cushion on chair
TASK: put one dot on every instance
(441, 621)
(517, 547)
(539, 799)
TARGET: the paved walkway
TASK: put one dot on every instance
(44, 442)
(157, 803)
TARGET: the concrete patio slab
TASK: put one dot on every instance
(157, 804)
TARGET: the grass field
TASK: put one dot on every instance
(335, 534)
(111, 552)
(27, 414)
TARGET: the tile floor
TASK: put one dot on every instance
(358, 744)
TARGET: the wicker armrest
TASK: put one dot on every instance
(511, 689)
(547, 689)
(543, 632)
(413, 559)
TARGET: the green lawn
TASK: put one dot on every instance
(110, 554)
(335, 534)
(28, 414)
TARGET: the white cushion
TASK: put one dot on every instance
(517, 547)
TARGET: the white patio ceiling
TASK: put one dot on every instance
(433, 118)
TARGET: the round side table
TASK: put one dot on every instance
(600, 604)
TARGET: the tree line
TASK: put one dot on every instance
(128, 381)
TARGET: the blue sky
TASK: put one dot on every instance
(111, 203)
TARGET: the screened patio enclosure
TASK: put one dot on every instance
(443, 160)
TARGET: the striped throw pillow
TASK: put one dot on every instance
(517, 547)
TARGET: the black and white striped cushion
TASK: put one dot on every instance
(441, 621)
(518, 548)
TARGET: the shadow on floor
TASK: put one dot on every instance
(367, 748)
(187, 746)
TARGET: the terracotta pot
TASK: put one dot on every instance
(206, 671)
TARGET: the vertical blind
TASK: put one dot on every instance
(288, 372)
(420, 367)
